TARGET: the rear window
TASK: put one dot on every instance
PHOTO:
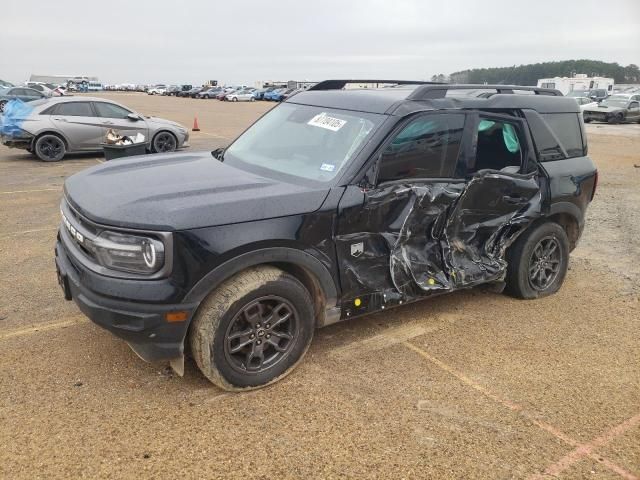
(566, 127)
(557, 135)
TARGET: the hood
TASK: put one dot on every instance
(183, 191)
(605, 108)
(162, 121)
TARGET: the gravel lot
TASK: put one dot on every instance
(470, 385)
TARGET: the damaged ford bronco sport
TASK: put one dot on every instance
(335, 204)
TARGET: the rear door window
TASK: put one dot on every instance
(498, 145)
(75, 109)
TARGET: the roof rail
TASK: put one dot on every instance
(429, 92)
(340, 84)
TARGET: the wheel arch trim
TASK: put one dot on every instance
(567, 210)
(273, 255)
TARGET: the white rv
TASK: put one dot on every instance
(579, 82)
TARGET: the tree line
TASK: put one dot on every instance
(529, 74)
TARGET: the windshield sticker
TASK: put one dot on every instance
(323, 120)
(327, 167)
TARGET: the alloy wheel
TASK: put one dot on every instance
(164, 142)
(50, 147)
(544, 264)
(261, 334)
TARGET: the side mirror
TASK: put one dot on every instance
(218, 153)
(134, 117)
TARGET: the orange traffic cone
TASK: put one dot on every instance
(195, 128)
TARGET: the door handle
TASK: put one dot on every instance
(60, 119)
(515, 199)
(107, 123)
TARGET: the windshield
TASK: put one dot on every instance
(615, 102)
(300, 141)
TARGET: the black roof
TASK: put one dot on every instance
(416, 96)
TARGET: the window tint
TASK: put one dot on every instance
(498, 145)
(109, 110)
(75, 109)
(425, 148)
(566, 127)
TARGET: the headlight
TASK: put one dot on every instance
(129, 253)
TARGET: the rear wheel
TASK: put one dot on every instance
(50, 148)
(538, 262)
(253, 329)
(164, 142)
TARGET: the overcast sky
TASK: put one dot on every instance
(244, 41)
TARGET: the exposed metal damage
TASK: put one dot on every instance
(435, 237)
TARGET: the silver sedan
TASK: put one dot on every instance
(241, 96)
(57, 126)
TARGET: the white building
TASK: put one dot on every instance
(577, 82)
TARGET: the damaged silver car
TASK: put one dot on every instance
(52, 128)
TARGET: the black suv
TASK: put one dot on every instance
(335, 204)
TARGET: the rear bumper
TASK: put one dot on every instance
(21, 140)
(142, 325)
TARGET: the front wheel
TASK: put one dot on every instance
(538, 262)
(164, 142)
(253, 329)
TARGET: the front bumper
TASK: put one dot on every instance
(142, 325)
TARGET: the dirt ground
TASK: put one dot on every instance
(470, 385)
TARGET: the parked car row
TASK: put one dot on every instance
(235, 93)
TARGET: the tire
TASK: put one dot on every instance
(50, 148)
(164, 142)
(244, 303)
(253, 99)
(619, 118)
(537, 262)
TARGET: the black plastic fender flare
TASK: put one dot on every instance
(263, 256)
(569, 208)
